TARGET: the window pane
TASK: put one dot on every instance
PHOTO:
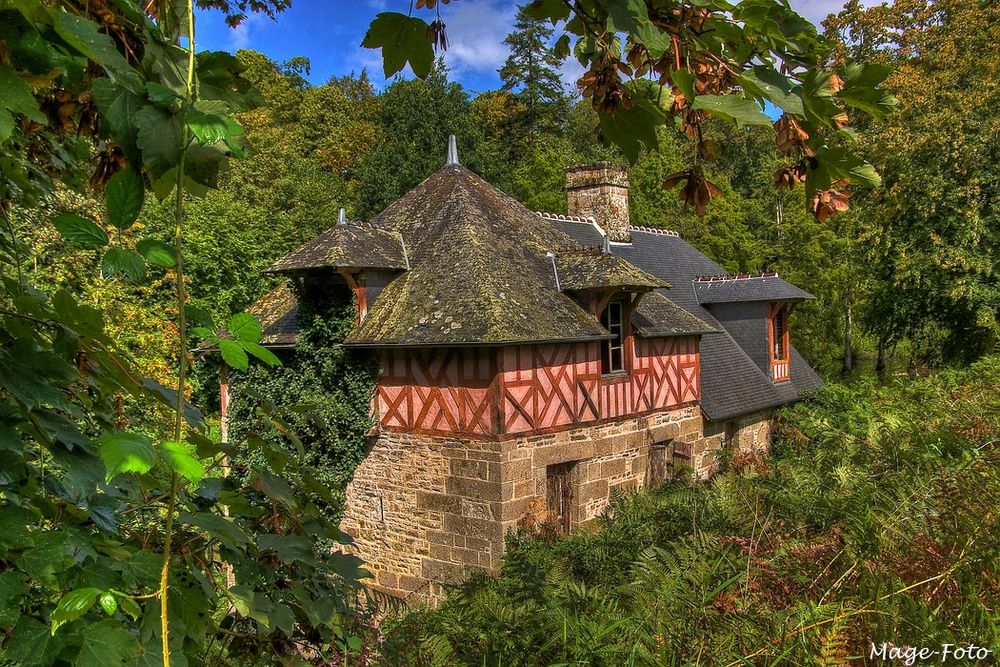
(616, 359)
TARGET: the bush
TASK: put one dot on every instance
(875, 521)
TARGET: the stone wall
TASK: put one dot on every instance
(427, 510)
(747, 434)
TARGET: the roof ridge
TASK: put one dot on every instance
(562, 217)
(738, 276)
(654, 230)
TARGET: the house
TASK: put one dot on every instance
(534, 364)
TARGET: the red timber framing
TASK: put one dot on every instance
(777, 341)
(519, 390)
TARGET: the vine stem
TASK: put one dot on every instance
(181, 344)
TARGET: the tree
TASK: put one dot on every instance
(532, 70)
(682, 63)
(932, 231)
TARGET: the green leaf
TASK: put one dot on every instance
(126, 262)
(402, 39)
(211, 128)
(245, 328)
(233, 354)
(13, 586)
(124, 452)
(179, 457)
(156, 252)
(72, 606)
(119, 108)
(218, 527)
(684, 80)
(107, 643)
(740, 110)
(80, 230)
(124, 195)
(130, 607)
(85, 36)
(547, 10)
(108, 603)
(262, 353)
(161, 95)
(159, 137)
(289, 548)
(633, 129)
(16, 97)
(764, 82)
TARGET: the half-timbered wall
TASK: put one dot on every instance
(531, 388)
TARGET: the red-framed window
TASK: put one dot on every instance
(777, 334)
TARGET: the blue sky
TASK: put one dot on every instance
(329, 34)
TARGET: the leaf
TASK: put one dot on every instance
(168, 397)
(124, 452)
(740, 110)
(124, 195)
(211, 128)
(684, 80)
(13, 585)
(161, 95)
(289, 548)
(85, 36)
(233, 354)
(130, 607)
(119, 108)
(108, 603)
(766, 83)
(402, 39)
(221, 528)
(156, 252)
(262, 353)
(633, 129)
(72, 606)
(547, 10)
(80, 230)
(16, 97)
(119, 260)
(181, 461)
(107, 643)
(159, 137)
(245, 328)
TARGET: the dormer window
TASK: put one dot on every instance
(613, 350)
(778, 342)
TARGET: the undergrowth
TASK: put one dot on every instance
(875, 520)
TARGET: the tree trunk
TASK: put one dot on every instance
(880, 362)
(848, 366)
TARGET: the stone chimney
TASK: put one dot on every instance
(600, 191)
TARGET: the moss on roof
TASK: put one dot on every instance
(277, 311)
(657, 316)
(478, 270)
(350, 245)
(593, 269)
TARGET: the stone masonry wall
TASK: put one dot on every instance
(427, 510)
(750, 433)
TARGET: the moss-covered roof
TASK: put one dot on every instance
(593, 269)
(349, 245)
(277, 311)
(474, 269)
(656, 316)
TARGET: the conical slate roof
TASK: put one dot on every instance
(476, 267)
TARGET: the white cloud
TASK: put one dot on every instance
(242, 35)
(476, 30)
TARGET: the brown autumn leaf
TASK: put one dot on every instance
(790, 135)
(827, 203)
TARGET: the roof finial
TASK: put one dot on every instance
(342, 216)
(452, 150)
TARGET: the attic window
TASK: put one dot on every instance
(613, 350)
(778, 342)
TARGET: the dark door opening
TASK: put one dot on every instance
(559, 495)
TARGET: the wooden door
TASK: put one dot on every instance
(559, 495)
(661, 455)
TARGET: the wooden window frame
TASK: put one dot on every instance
(778, 345)
(619, 333)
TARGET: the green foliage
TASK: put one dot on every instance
(327, 388)
(875, 521)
